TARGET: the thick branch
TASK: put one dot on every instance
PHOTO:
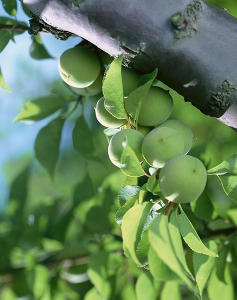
(191, 42)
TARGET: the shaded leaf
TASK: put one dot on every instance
(134, 101)
(41, 108)
(47, 144)
(38, 280)
(146, 287)
(98, 273)
(4, 39)
(123, 209)
(113, 89)
(127, 192)
(84, 190)
(83, 141)
(153, 184)
(191, 237)
(37, 49)
(130, 164)
(160, 241)
(10, 7)
(26, 10)
(227, 173)
(203, 266)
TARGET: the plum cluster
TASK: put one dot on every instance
(161, 142)
(156, 140)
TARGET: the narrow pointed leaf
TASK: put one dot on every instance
(10, 7)
(177, 241)
(83, 141)
(160, 240)
(113, 89)
(191, 237)
(132, 228)
(134, 101)
(203, 266)
(37, 49)
(47, 144)
(130, 164)
(143, 249)
(41, 108)
(227, 173)
(4, 39)
(159, 269)
(3, 83)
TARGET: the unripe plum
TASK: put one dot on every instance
(105, 118)
(90, 90)
(182, 129)
(160, 145)
(156, 108)
(130, 80)
(116, 145)
(79, 66)
(183, 179)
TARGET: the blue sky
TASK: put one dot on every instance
(28, 79)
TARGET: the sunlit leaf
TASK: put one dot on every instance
(2, 82)
(227, 173)
(127, 192)
(191, 237)
(146, 287)
(113, 89)
(41, 108)
(171, 291)
(47, 144)
(160, 241)
(123, 209)
(38, 279)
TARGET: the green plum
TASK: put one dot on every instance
(116, 145)
(156, 108)
(182, 129)
(79, 66)
(160, 145)
(183, 179)
(90, 90)
(105, 118)
(130, 80)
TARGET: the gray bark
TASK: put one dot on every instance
(196, 55)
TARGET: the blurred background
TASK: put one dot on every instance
(52, 217)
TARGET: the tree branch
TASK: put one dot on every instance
(192, 43)
(14, 27)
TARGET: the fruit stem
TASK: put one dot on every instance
(78, 100)
(170, 206)
(132, 127)
(157, 201)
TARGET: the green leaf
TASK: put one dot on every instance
(41, 108)
(4, 39)
(130, 164)
(47, 144)
(122, 210)
(143, 248)
(177, 242)
(171, 291)
(132, 228)
(159, 269)
(83, 141)
(202, 207)
(127, 192)
(160, 241)
(142, 194)
(153, 184)
(113, 89)
(10, 7)
(98, 273)
(203, 266)
(134, 101)
(221, 262)
(37, 49)
(38, 279)
(2, 81)
(227, 173)
(191, 237)
(130, 181)
(146, 287)
(84, 190)
(110, 132)
(92, 294)
(217, 289)
(26, 10)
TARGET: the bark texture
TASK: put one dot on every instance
(193, 44)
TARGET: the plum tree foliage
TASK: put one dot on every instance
(156, 229)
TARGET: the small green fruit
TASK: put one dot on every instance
(105, 118)
(156, 108)
(183, 179)
(160, 145)
(116, 145)
(130, 80)
(90, 90)
(79, 66)
(182, 129)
